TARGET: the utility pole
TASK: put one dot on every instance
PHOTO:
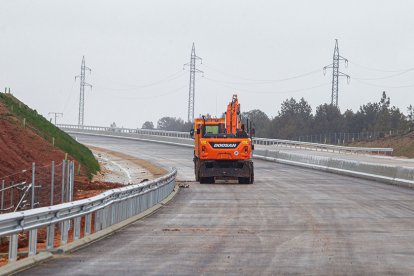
(336, 73)
(82, 91)
(56, 114)
(191, 93)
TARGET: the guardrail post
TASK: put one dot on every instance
(104, 218)
(77, 227)
(33, 183)
(32, 242)
(130, 208)
(112, 214)
(50, 238)
(117, 212)
(120, 211)
(13, 243)
(126, 208)
(63, 181)
(97, 221)
(134, 206)
(100, 220)
(64, 232)
(146, 201)
(73, 181)
(52, 183)
(88, 224)
(68, 181)
(138, 205)
(2, 195)
(108, 217)
(143, 197)
(11, 194)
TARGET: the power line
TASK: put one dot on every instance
(268, 92)
(134, 87)
(69, 97)
(384, 86)
(380, 70)
(191, 93)
(386, 77)
(153, 96)
(82, 91)
(257, 81)
(271, 81)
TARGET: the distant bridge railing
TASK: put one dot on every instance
(184, 138)
(95, 214)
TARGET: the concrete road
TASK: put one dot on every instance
(291, 221)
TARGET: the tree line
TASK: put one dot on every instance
(296, 119)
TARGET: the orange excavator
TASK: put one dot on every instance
(223, 147)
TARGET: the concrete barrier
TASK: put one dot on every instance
(395, 175)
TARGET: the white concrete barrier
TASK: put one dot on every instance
(396, 175)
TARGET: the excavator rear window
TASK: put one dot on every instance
(212, 129)
(216, 131)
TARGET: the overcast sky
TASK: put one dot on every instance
(137, 49)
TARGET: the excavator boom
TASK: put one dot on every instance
(233, 116)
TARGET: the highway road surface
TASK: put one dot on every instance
(291, 220)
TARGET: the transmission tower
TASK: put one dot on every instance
(191, 93)
(336, 73)
(82, 91)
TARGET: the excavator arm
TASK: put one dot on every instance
(233, 121)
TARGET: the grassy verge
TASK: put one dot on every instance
(49, 132)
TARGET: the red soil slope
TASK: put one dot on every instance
(19, 146)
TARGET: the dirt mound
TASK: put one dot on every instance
(403, 145)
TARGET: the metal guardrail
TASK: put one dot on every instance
(156, 132)
(320, 147)
(256, 140)
(96, 213)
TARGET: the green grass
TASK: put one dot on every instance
(47, 130)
